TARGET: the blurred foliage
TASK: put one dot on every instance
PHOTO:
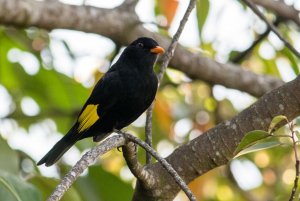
(184, 109)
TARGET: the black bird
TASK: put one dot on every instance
(120, 97)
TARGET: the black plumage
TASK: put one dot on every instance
(119, 97)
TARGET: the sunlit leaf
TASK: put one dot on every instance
(270, 66)
(10, 157)
(6, 71)
(275, 121)
(251, 138)
(292, 59)
(58, 96)
(258, 147)
(297, 135)
(202, 7)
(13, 188)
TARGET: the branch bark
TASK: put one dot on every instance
(113, 23)
(212, 149)
(216, 146)
(87, 159)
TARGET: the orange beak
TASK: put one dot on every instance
(157, 50)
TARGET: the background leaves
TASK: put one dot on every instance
(184, 109)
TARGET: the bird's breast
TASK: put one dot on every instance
(139, 89)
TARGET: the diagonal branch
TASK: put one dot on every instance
(164, 164)
(238, 58)
(113, 23)
(165, 62)
(87, 159)
(216, 146)
(281, 9)
(211, 149)
(171, 49)
(253, 7)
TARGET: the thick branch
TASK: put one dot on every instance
(113, 23)
(130, 155)
(212, 149)
(164, 164)
(216, 146)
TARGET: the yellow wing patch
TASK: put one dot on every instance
(88, 117)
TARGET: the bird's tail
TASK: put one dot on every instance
(60, 148)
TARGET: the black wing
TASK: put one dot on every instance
(104, 96)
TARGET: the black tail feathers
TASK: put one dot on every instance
(59, 149)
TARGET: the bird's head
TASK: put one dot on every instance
(146, 45)
(143, 51)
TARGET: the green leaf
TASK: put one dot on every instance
(10, 157)
(251, 138)
(292, 59)
(6, 72)
(270, 67)
(202, 7)
(102, 185)
(10, 189)
(47, 186)
(13, 188)
(275, 121)
(259, 147)
(297, 134)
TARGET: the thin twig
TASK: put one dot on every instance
(170, 52)
(165, 62)
(295, 187)
(253, 7)
(148, 131)
(163, 162)
(238, 58)
(87, 159)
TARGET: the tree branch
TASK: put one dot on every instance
(280, 9)
(113, 23)
(148, 130)
(164, 164)
(211, 149)
(238, 58)
(216, 146)
(253, 7)
(295, 140)
(165, 62)
(170, 52)
(87, 159)
(129, 153)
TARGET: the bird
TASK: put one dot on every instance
(125, 91)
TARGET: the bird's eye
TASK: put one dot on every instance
(140, 45)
